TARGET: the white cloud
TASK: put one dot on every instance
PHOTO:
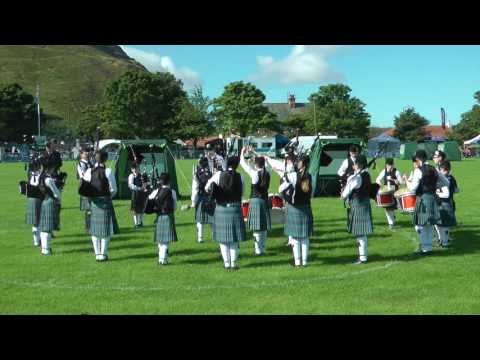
(306, 64)
(154, 62)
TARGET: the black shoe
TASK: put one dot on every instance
(234, 268)
(360, 262)
(422, 253)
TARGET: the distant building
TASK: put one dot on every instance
(283, 110)
(432, 132)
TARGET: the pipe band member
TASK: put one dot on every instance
(425, 181)
(201, 201)
(228, 225)
(346, 169)
(82, 167)
(138, 201)
(258, 214)
(165, 204)
(359, 213)
(281, 168)
(391, 177)
(48, 213)
(296, 187)
(438, 157)
(34, 200)
(103, 222)
(447, 205)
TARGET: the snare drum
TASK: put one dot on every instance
(245, 207)
(385, 198)
(407, 201)
(276, 201)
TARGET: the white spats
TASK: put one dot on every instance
(257, 241)
(390, 216)
(45, 240)
(362, 248)
(224, 250)
(425, 234)
(297, 251)
(199, 232)
(234, 250)
(96, 247)
(443, 235)
(305, 244)
(135, 220)
(104, 247)
(162, 253)
(36, 236)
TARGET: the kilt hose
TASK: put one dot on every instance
(201, 216)
(447, 214)
(228, 224)
(258, 215)
(138, 202)
(32, 215)
(103, 222)
(48, 216)
(84, 203)
(359, 217)
(165, 231)
(298, 221)
(426, 211)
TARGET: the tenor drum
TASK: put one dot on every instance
(385, 198)
(406, 201)
(245, 207)
(275, 201)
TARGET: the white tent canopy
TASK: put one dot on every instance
(104, 143)
(474, 141)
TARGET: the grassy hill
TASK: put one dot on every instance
(70, 76)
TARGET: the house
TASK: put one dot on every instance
(436, 133)
(283, 110)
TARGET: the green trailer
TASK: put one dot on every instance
(407, 150)
(327, 156)
(451, 149)
(429, 146)
(158, 151)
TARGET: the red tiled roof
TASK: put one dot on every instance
(201, 142)
(430, 130)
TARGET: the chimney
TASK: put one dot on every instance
(291, 101)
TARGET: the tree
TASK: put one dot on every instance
(194, 117)
(240, 110)
(337, 112)
(298, 121)
(469, 125)
(18, 114)
(409, 125)
(138, 105)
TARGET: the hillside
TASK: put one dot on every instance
(70, 76)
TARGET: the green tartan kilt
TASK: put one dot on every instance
(359, 217)
(228, 225)
(447, 214)
(57, 207)
(258, 215)
(298, 221)
(103, 222)
(426, 211)
(165, 231)
(138, 202)
(84, 203)
(32, 215)
(201, 216)
(48, 216)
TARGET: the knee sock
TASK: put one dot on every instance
(162, 253)
(140, 219)
(135, 220)
(425, 234)
(104, 246)
(45, 240)
(263, 242)
(443, 232)
(199, 232)
(96, 245)
(296, 251)
(305, 243)
(257, 241)
(36, 236)
(390, 217)
(225, 251)
(362, 248)
(234, 250)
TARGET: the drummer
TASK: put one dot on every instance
(391, 178)
(425, 182)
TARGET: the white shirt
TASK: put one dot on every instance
(353, 182)
(218, 160)
(34, 179)
(131, 185)
(343, 167)
(250, 170)
(80, 171)
(216, 179)
(380, 177)
(50, 183)
(442, 182)
(278, 166)
(108, 173)
(174, 195)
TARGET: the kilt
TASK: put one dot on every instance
(48, 216)
(165, 231)
(103, 222)
(228, 225)
(32, 215)
(447, 214)
(258, 215)
(57, 207)
(359, 217)
(84, 203)
(201, 216)
(298, 221)
(138, 202)
(426, 211)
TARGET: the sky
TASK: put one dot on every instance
(387, 78)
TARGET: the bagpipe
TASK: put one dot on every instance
(85, 188)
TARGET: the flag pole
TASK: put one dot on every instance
(38, 107)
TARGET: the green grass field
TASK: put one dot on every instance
(393, 282)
